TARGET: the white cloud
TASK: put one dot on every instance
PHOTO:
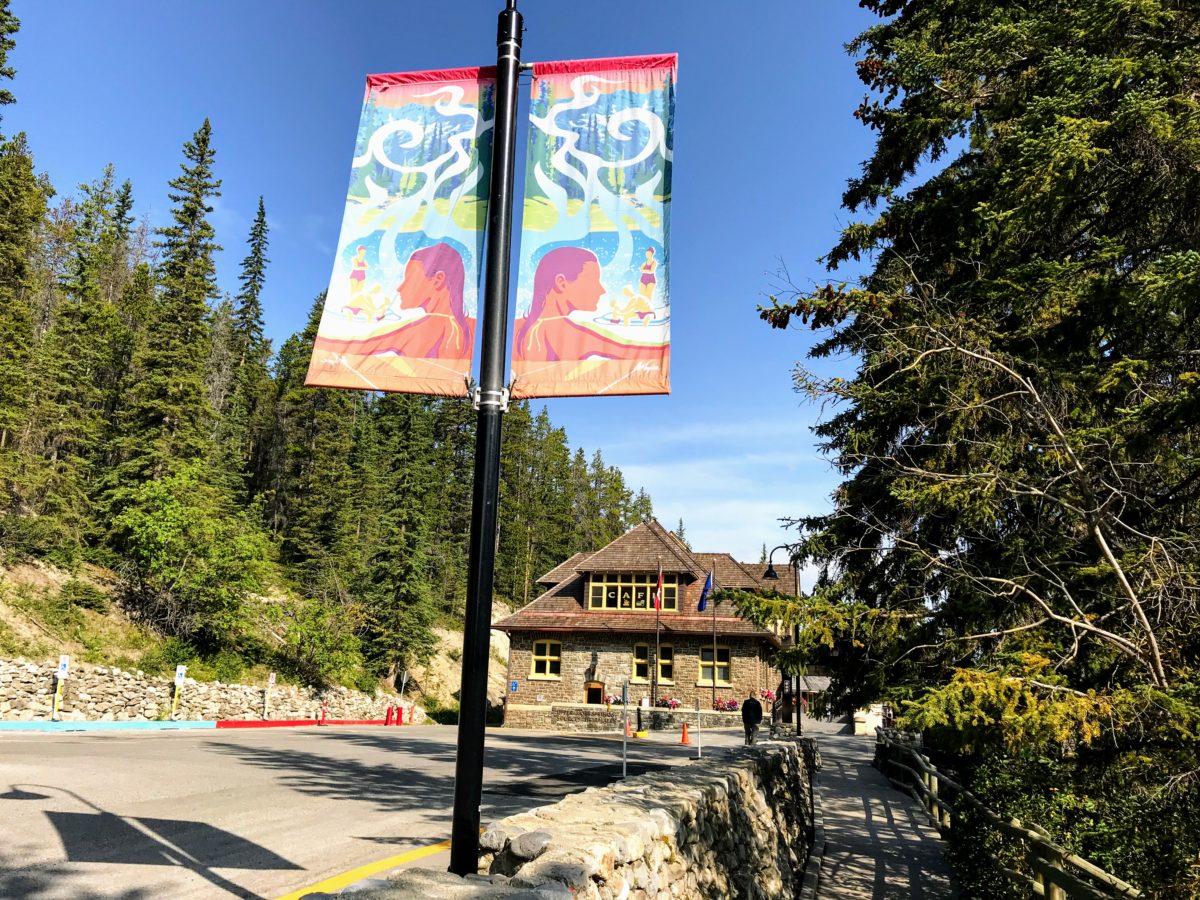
(734, 502)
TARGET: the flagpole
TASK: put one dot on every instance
(491, 401)
(657, 633)
(714, 669)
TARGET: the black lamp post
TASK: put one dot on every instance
(792, 685)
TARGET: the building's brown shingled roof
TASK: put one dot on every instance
(563, 571)
(640, 550)
(563, 608)
(727, 571)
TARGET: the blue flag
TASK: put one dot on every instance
(704, 592)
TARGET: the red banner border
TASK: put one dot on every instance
(391, 79)
(611, 64)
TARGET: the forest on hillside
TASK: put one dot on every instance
(148, 426)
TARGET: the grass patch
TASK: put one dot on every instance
(12, 644)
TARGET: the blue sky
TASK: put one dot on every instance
(764, 143)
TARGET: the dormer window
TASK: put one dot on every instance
(631, 593)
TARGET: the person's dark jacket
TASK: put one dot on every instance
(751, 711)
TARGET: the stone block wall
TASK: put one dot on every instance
(609, 659)
(108, 693)
(591, 718)
(737, 824)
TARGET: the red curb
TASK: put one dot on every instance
(292, 723)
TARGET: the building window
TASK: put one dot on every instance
(641, 662)
(706, 665)
(631, 592)
(666, 664)
(547, 659)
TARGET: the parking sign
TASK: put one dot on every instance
(179, 673)
(64, 663)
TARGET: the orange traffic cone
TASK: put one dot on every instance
(684, 740)
(628, 730)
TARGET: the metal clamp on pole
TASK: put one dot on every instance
(497, 399)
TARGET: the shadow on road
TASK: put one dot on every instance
(536, 769)
(99, 836)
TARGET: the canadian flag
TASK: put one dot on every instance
(658, 590)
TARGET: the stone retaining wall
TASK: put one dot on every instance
(734, 825)
(596, 718)
(107, 693)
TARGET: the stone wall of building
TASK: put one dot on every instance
(737, 824)
(608, 659)
(591, 718)
(107, 693)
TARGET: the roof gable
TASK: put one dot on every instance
(642, 549)
(728, 572)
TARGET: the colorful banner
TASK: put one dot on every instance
(593, 308)
(401, 307)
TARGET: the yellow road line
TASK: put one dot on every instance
(337, 882)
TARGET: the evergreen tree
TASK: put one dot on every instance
(123, 213)
(305, 469)
(75, 373)
(252, 277)
(586, 534)
(450, 502)
(23, 199)
(642, 509)
(166, 414)
(1014, 549)
(242, 415)
(9, 24)
(396, 591)
(681, 534)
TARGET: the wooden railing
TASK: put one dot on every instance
(1057, 874)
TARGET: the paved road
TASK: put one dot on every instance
(261, 812)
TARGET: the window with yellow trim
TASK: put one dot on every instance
(641, 662)
(609, 590)
(706, 665)
(547, 659)
(666, 664)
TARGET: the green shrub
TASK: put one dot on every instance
(443, 715)
(163, 659)
(227, 665)
(84, 594)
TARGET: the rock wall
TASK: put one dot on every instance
(107, 693)
(597, 718)
(608, 659)
(734, 825)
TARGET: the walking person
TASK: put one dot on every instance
(752, 715)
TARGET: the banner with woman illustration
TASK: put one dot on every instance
(593, 305)
(400, 311)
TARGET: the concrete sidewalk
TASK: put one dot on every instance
(878, 841)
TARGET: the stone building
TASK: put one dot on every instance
(594, 628)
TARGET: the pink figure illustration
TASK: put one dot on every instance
(568, 279)
(649, 279)
(358, 270)
(433, 282)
